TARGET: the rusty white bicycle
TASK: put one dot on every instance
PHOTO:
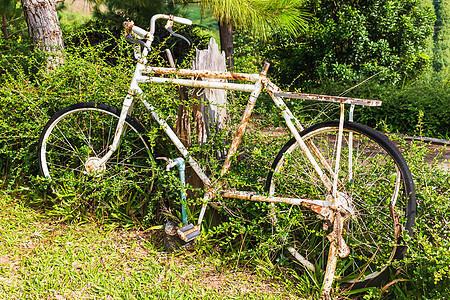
(339, 189)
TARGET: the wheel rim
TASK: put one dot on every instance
(376, 184)
(77, 140)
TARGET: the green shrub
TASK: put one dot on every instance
(419, 108)
(425, 273)
(28, 98)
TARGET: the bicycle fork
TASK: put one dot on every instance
(96, 164)
(342, 209)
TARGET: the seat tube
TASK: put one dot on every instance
(236, 141)
(242, 126)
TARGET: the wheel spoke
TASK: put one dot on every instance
(83, 132)
(375, 160)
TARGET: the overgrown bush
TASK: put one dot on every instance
(350, 40)
(425, 273)
(28, 98)
(91, 73)
(418, 108)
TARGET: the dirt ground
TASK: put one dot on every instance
(435, 154)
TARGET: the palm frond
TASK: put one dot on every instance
(261, 17)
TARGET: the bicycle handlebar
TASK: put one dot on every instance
(182, 20)
(149, 34)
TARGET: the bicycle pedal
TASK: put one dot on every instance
(188, 232)
(172, 241)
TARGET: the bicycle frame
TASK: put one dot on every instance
(260, 81)
(329, 208)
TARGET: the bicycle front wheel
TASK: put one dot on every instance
(78, 136)
(376, 179)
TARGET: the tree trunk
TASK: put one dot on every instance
(43, 27)
(5, 27)
(226, 42)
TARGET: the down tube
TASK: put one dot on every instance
(173, 137)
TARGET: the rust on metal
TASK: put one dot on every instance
(395, 216)
(257, 87)
(203, 73)
(128, 26)
(318, 206)
(199, 83)
(323, 211)
(238, 136)
(345, 100)
(397, 229)
(272, 89)
(331, 268)
(397, 226)
(265, 68)
(338, 247)
(343, 249)
(169, 23)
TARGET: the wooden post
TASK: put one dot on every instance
(206, 113)
(210, 111)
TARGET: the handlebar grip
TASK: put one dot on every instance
(182, 20)
(136, 29)
(141, 32)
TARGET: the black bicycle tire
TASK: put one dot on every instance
(395, 153)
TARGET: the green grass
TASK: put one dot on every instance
(42, 259)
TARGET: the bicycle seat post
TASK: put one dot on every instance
(265, 68)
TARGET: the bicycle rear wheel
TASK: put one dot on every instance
(79, 135)
(382, 191)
